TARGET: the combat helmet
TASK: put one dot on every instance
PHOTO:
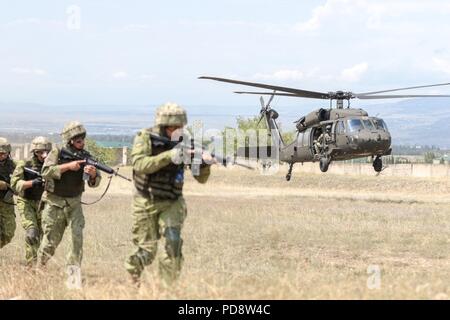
(71, 130)
(41, 143)
(5, 146)
(170, 114)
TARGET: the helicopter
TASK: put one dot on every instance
(333, 133)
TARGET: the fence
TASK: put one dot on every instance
(22, 151)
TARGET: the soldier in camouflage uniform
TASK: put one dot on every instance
(7, 215)
(30, 188)
(159, 209)
(65, 182)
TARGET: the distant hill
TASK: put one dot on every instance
(413, 121)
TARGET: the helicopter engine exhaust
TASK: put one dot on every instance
(312, 118)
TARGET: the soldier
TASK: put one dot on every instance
(65, 182)
(159, 209)
(30, 187)
(7, 215)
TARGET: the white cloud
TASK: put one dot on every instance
(29, 71)
(350, 74)
(120, 75)
(23, 21)
(146, 77)
(281, 75)
(314, 22)
(354, 73)
(370, 14)
(442, 65)
(34, 22)
(136, 27)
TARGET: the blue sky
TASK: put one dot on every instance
(149, 52)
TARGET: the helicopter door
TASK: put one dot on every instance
(340, 134)
(304, 150)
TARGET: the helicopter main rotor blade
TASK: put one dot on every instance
(269, 93)
(395, 96)
(406, 88)
(297, 92)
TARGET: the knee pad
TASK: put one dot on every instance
(173, 241)
(32, 236)
(145, 257)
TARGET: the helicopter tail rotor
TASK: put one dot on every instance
(265, 107)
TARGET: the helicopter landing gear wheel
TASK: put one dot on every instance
(324, 164)
(378, 164)
(288, 176)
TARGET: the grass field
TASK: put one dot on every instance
(249, 236)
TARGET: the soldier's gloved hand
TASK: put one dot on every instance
(37, 182)
(32, 236)
(3, 185)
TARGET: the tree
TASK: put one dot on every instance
(255, 123)
(429, 157)
(105, 155)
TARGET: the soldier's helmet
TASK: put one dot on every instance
(170, 114)
(41, 143)
(72, 130)
(5, 146)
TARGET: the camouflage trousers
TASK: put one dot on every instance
(153, 220)
(7, 223)
(55, 220)
(30, 217)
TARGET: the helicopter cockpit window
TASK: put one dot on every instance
(354, 125)
(340, 128)
(380, 124)
(368, 124)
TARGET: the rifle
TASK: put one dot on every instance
(32, 172)
(83, 155)
(8, 193)
(193, 146)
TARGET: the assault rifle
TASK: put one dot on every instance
(194, 156)
(83, 155)
(32, 173)
(8, 193)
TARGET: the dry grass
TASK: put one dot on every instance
(249, 236)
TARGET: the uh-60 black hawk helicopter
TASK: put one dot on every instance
(330, 134)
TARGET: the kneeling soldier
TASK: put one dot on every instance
(30, 187)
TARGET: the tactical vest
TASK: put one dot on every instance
(6, 169)
(71, 183)
(166, 183)
(34, 193)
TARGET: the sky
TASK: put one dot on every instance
(138, 52)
